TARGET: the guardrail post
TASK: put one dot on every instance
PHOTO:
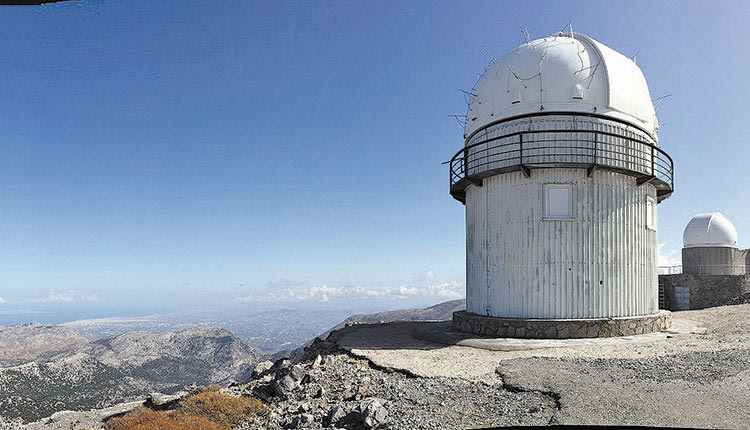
(464, 164)
(653, 171)
(524, 169)
(592, 167)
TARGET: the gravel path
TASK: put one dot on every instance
(689, 380)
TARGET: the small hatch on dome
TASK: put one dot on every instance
(516, 97)
(577, 92)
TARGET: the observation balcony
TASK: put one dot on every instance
(565, 141)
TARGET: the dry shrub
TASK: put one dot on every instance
(146, 419)
(221, 408)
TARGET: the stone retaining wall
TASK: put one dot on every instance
(703, 291)
(560, 329)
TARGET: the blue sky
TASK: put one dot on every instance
(189, 156)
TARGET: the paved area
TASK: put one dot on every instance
(443, 333)
(696, 375)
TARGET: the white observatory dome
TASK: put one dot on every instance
(705, 230)
(562, 73)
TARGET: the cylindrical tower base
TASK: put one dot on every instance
(561, 244)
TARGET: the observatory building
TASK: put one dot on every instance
(714, 269)
(710, 247)
(561, 174)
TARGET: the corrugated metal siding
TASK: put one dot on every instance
(603, 263)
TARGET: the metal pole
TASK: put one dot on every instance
(465, 163)
(653, 171)
(596, 139)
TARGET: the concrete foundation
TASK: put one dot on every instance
(560, 328)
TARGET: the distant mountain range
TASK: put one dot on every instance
(269, 331)
(28, 342)
(440, 312)
(50, 368)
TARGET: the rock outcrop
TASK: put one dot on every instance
(23, 343)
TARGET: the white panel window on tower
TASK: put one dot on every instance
(651, 213)
(558, 201)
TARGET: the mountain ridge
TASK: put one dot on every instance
(69, 374)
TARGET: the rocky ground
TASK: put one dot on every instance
(331, 388)
(380, 376)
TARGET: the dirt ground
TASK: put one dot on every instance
(692, 378)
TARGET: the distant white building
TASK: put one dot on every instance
(561, 174)
(710, 247)
(714, 270)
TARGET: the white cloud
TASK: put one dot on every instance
(325, 293)
(54, 297)
(669, 258)
(64, 297)
(427, 274)
(2, 300)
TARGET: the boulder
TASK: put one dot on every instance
(336, 414)
(162, 402)
(373, 413)
(285, 385)
(317, 362)
(297, 373)
(261, 368)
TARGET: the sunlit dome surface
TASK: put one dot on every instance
(709, 230)
(562, 73)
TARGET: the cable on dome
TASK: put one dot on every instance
(658, 101)
(527, 37)
(525, 32)
(507, 89)
(587, 68)
(472, 96)
(520, 79)
(492, 103)
(541, 85)
(591, 78)
(461, 119)
(489, 53)
(570, 24)
(579, 52)
(566, 25)
(479, 75)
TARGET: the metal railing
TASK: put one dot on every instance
(670, 270)
(592, 150)
(705, 269)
